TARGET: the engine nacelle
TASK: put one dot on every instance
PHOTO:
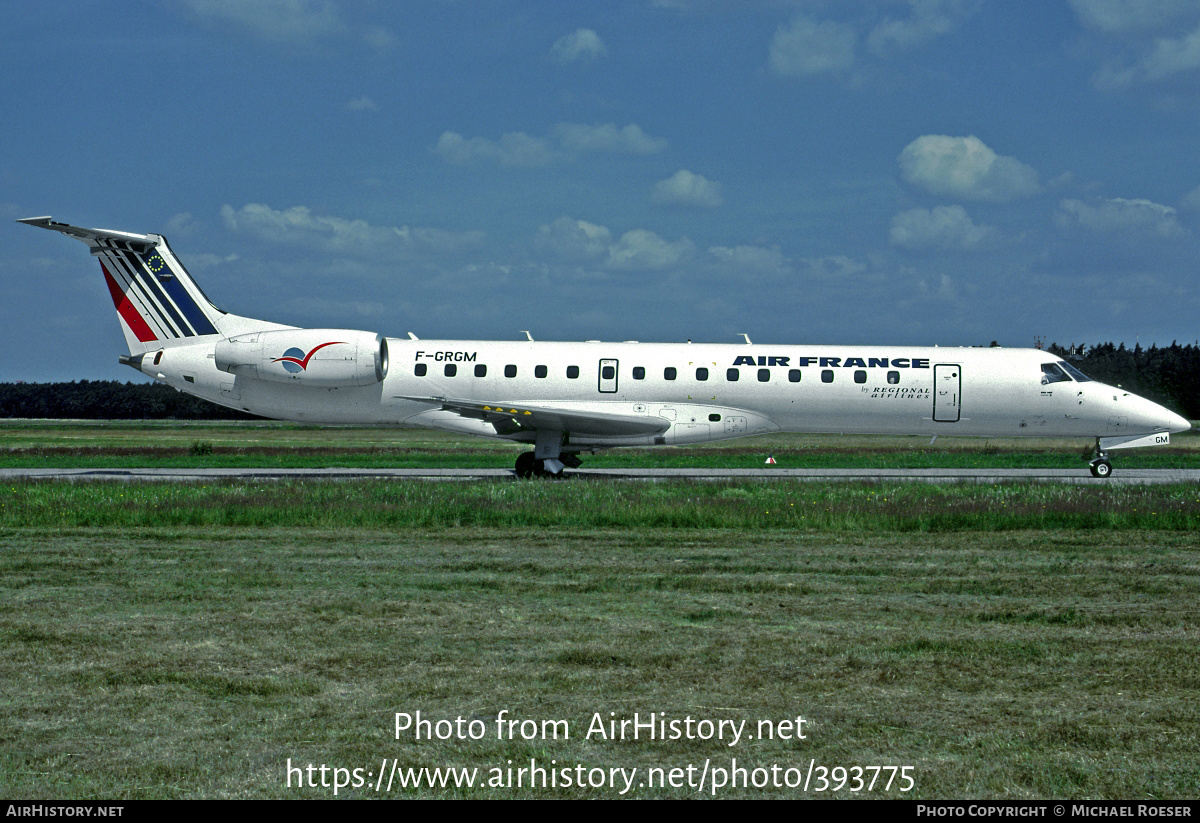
(326, 358)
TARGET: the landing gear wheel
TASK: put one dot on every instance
(1101, 468)
(527, 465)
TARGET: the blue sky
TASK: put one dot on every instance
(945, 172)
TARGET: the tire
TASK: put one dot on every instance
(1101, 469)
(526, 465)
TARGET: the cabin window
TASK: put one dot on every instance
(860, 376)
(732, 375)
(539, 371)
(827, 375)
(893, 377)
(669, 373)
(714, 418)
(1053, 374)
(420, 369)
(701, 374)
(572, 372)
(450, 369)
(793, 375)
(1067, 367)
(608, 373)
(764, 375)
(510, 371)
(480, 370)
(639, 372)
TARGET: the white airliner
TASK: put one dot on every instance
(569, 398)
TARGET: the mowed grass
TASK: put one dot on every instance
(187, 640)
(126, 444)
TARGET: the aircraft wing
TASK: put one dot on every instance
(512, 418)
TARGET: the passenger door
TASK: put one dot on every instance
(947, 392)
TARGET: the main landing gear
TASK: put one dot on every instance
(528, 465)
(1099, 464)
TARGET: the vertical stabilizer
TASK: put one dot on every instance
(156, 299)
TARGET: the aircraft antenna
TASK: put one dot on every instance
(528, 336)
(743, 334)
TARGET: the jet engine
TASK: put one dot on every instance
(323, 358)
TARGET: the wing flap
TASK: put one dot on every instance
(511, 418)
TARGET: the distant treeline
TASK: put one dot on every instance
(109, 399)
(1169, 375)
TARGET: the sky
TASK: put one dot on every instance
(907, 172)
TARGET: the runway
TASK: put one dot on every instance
(1079, 476)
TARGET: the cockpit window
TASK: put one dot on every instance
(1051, 373)
(1079, 376)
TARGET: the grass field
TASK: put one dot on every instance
(124, 444)
(189, 640)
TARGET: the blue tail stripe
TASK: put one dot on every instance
(150, 283)
(187, 305)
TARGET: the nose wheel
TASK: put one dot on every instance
(1099, 463)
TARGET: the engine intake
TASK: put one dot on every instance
(327, 358)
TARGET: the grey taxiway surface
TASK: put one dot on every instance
(1080, 475)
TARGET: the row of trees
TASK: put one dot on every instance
(1169, 375)
(108, 399)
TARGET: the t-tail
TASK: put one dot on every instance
(159, 304)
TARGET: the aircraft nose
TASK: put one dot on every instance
(1176, 423)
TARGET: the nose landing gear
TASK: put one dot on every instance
(1099, 464)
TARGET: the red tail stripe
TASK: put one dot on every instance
(127, 310)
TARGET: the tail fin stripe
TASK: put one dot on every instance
(187, 305)
(127, 310)
(143, 297)
(130, 293)
(150, 284)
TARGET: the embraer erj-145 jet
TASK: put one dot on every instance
(569, 398)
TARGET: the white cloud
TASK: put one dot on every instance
(567, 140)
(379, 38)
(581, 45)
(638, 250)
(687, 189)
(515, 148)
(1172, 56)
(945, 227)
(1192, 199)
(363, 103)
(809, 47)
(281, 21)
(574, 239)
(1130, 15)
(835, 267)
(1144, 41)
(182, 225)
(607, 138)
(928, 19)
(966, 168)
(752, 259)
(299, 226)
(644, 250)
(1121, 216)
